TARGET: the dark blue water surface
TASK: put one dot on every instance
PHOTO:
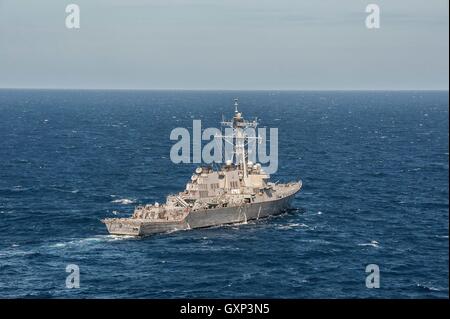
(374, 167)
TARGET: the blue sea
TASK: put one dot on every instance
(374, 167)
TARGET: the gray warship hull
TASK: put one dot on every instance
(237, 192)
(201, 218)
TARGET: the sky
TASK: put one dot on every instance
(225, 44)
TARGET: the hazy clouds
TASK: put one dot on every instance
(227, 44)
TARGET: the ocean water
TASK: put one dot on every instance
(374, 167)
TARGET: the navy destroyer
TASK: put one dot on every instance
(237, 192)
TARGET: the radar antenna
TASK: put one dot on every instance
(239, 136)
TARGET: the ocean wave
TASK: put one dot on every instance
(18, 188)
(373, 243)
(292, 225)
(316, 241)
(429, 288)
(12, 252)
(91, 240)
(124, 201)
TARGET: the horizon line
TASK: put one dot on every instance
(224, 90)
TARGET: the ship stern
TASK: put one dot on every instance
(122, 226)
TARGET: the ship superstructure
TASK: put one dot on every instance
(237, 192)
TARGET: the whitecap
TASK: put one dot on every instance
(373, 243)
(123, 201)
(292, 225)
(431, 288)
(91, 240)
(115, 237)
(284, 227)
(58, 245)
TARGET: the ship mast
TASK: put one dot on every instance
(239, 136)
